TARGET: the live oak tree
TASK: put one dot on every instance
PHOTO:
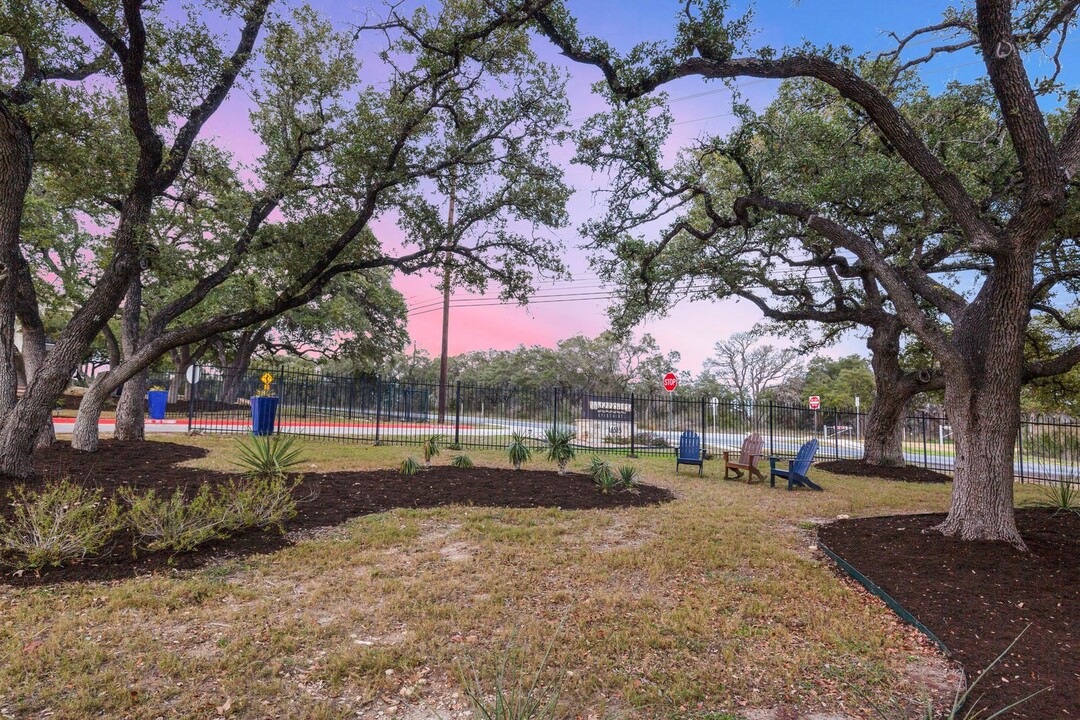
(981, 354)
(360, 319)
(137, 50)
(811, 142)
(463, 95)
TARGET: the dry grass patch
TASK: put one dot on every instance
(710, 606)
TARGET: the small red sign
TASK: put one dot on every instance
(815, 402)
(671, 382)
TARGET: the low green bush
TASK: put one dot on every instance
(64, 522)
(1062, 495)
(606, 479)
(518, 452)
(431, 447)
(261, 503)
(559, 447)
(409, 467)
(461, 461)
(628, 476)
(176, 523)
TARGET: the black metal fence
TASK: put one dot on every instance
(374, 410)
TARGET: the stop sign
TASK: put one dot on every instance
(815, 402)
(671, 382)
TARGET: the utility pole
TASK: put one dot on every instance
(443, 359)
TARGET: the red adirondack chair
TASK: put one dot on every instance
(752, 449)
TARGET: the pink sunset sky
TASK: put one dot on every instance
(691, 328)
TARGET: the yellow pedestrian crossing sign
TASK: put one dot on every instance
(267, 378)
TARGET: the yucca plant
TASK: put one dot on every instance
(628, 475)
(516, 692)
(605, 478)
(431, 447)
(270, 456)
(409, 467)
(461, 461)
(559, 449)
(1062, 495)
(518, 451)
(960, 709)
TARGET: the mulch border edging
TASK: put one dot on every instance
(889, 600)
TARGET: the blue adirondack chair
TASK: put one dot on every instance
(797, 468)
(690, 452)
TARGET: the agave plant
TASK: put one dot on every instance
(409, 467)
(605, 478)
(431, 446)
(628, 475)
(270, 456)
(461, 461)
(518, 451)
(559, 449)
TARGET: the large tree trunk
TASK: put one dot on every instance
(84, 436)
(16, 153)
(34, 355)
(130, 410)
(982, 402)
(112, 346)
(883, 435)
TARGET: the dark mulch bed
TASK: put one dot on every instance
(328, 499)
(978, 596)
(906, 473)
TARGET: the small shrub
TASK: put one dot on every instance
(176, 523)
(62, 523)
(430, 448)
(1060, 496)
(260, 503)
(559, 449)
(518, 451)
(456, 447)
(461, 461)
(409, 467)
(605, 478)
(628, 475)
(269, 456)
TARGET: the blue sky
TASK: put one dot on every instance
(693, 328)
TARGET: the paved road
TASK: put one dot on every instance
(479, 427)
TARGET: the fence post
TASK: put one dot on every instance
(703, 425)
(633, 430)
(924, 460)
(555, 409)
(457, 415)
(836, 433)
(191, 405)
(378, 407)
(1020, 440)
(772, 451)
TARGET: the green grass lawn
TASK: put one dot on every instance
(711, 606)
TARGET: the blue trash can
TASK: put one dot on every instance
(157, 400)
(263, 413)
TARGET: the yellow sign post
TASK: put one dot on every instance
(267, 378)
